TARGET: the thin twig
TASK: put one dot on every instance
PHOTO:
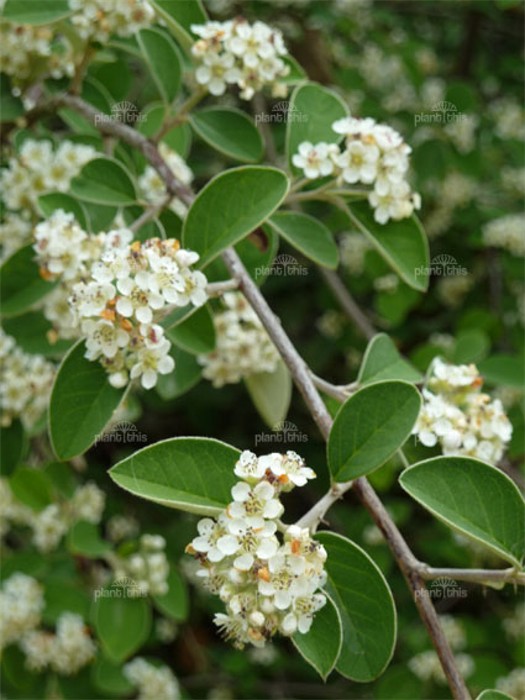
(217, 289)
(150, 213)
(340, 392)
(347, 303)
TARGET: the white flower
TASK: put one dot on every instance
(137, 299)
(153, 682)
(152, 359)
(359, 162)
(254, 504)
(103, 337)
(316, 161)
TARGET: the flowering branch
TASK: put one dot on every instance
(303, 380)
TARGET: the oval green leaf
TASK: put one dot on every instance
(31, 333)
(493, 695)
(162, 58)
(271, 393)
(402, 244)
(196, 334)
(322, 644)
(84, 539)
(383, 361)
(191, 474)
(308, 235)
(314, 109)
(13, 443)
(32, 487)
(474, 498)
(122, 623)
(49, 203)
(370, 426)
(230, 131)
(104, 181)
(35, 13)
(366, 607)
(231, 206)
(21, 285)
(82, 403)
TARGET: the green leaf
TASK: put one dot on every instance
(313, 110)
(104, 181)
(308, 235)
(366, 607)
(64, 597)
(493, 695)
(108, 677)
(82, 403)
(471, 346)
(49, 203)
(508, 370)
(186, 374)
(191, 474)
(122, 623)
(84, 539)
(30, 332)
(474, 498)
(12, 446)
(232, 205)
(196, 334)
(321, 645)
(179, 16)
(370, 426)
(24, 12)
(21, 285)
(174, 603)
(230, 131)
(403, 244)
(178, 138)
(12, 106)
(383, 361)
(271, 393)
(32, 487)
(162, 59)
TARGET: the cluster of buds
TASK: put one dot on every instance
(373, 154)
(118, 291)
(239, 53)
(267, 587)
(458, 416)
(147, 568)
(25, 383)
(507, 233)
(242, 345)
(152, 681)
(21, 606)
(65, 652)
(97, 20)
(49, 525)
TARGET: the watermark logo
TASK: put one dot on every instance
(441, 113)
(124, 587)
(122, 112)
(123, 432)
(283, 266)
(282, 113)
(443, 588)
(283, 433)
(443, 265)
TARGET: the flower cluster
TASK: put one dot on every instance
(238, 53)
(152, 682)
(426, 665)
(117, 292)
(458, 416)
(25, 383)
(49, 525)
(506, 232)
(353, 248)
(97, 20)
(267, 586)
(373, 154)
(148, 567)
(39, 168)
(27, 51)
(242, 347)
(513, 684)
(21, 606)
(65, 652)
